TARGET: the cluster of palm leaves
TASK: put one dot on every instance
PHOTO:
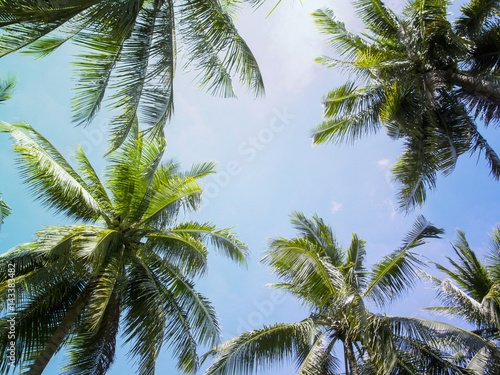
(425, 80)
(130, 51)
(471, 289)
(7, 86)
(339, 290)
(128, 265)
(133, 263)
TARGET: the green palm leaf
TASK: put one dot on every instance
(262, 347)
(423, 78)
(5, 211)
(52, 179)
(396, 272)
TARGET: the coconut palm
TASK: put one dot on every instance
(130, 48)
(126, 264)
(338, 287)
(471, 289)
(421, 78)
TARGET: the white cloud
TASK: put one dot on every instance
(336, 206)
(391, 205)
(384, 162)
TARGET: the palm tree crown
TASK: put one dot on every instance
(471, 288)
(131, 48)
(421, 78)
(338, 287)
(129, 264)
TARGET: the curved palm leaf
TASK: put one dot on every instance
(262, 347)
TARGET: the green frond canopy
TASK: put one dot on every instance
(471, 289)
(5, 211)
(7, 86)
(423, 78)
(129, 50)
(335, 284)
(130, 268)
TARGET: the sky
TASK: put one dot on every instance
(267, 168)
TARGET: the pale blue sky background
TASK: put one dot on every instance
(259, 184)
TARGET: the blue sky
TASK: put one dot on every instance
(267, 167)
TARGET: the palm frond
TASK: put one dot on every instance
(185, 251)
(300, 264)
(206, 28)
(319, 358)
(377, 17)
(132, 171)
(131, 76)
(347, 129)
(144, 318)
(441, 334)
(7, 86)
(415, 172)
(396, 273)
(51, 178)
(340, 39)
(225, 242)
(5, 211)
(319, 234)
(170, 198)
(493, 265)
(94, 69)
(468, 271)
(200, 313)
(92, 180)
(355, 257)
(157, 104)
(475, 14)
(91, 350)
(261, 348)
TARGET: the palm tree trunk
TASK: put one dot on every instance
(61, 331)
(351, 357)
(481, 85)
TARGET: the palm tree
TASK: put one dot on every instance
(472, 288)
(336, 285)
(131, 48)
(127, 264)
(422, 79)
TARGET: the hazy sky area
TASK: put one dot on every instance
(267, 167)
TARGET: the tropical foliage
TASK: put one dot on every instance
(4, 211)
(423, 78)
(130, 50)
(338, 287)
(128, 264)
(471, 288)
(7, 85)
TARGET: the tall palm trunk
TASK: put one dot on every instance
(481, 85)
(351, 357)
(60, 333)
